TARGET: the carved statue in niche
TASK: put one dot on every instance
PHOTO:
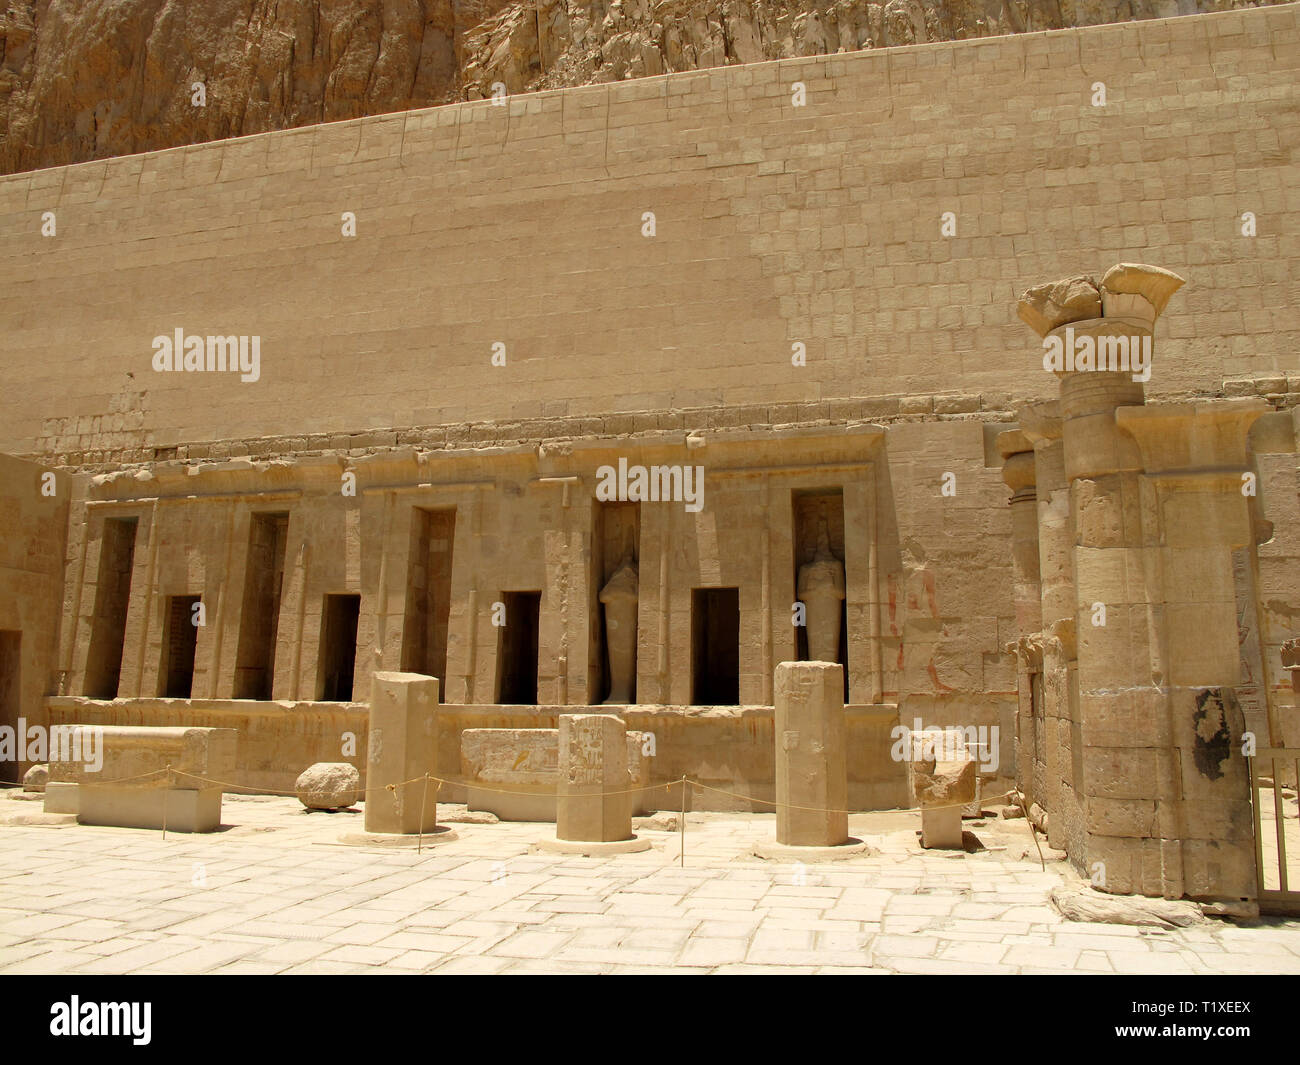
(821, 590)
(619, 597)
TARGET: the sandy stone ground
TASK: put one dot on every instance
(275, 891)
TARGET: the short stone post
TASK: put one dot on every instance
(593, 770)
(402, 747)
(943, 781)
(811, 771)
(592, 812)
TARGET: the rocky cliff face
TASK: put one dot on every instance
(85, 79)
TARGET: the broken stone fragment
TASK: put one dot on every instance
(944, 783)
(1090, 905)
(35, 778)
(1290, 654)
(1048, 306)
(328, 786)
(1150, 283)
(459, 815)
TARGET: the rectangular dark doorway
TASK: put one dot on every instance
(819, 544)
(112, 596)
(11, 650)
(338, 647)
(428, 594)
(259, 622)
(517, 651)
(180, 636)
(615, 538)
(715, 646)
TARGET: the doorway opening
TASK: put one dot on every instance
(715, 646)
(338, 647)
(180, 637)
(260, 618)
(112, 596)
(517, 651)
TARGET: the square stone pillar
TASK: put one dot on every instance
(1053, 682)
(402, 749)
(591, 801)
(1019, 472)
(811, 771)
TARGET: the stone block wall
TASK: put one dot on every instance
(774, 225)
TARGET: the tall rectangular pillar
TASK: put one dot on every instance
(811, 770)
(402, 749)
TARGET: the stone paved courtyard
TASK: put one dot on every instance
(277, 892)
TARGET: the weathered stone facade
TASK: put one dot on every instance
(413, 482)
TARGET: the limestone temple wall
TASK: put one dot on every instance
(774, 225)
(385, 494)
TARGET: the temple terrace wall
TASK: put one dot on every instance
(888, 225)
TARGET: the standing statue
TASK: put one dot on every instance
(619, 597)
(821, 590)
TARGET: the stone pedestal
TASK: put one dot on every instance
(402, 749)
(591, 801)
(811, 771)
(62, 797)
(943, 777)
(173, 809)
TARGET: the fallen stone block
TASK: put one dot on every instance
(144, 777)
(511, 772)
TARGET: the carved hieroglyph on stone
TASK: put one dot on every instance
(592, 811)
(591, 805)
(821, 590)
(811, 767)
(402, 749)
(514, 772)
(511, 772)
(1291, 661)
(619, 597)
(943, 781)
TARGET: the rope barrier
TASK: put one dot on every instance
(684, 781)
